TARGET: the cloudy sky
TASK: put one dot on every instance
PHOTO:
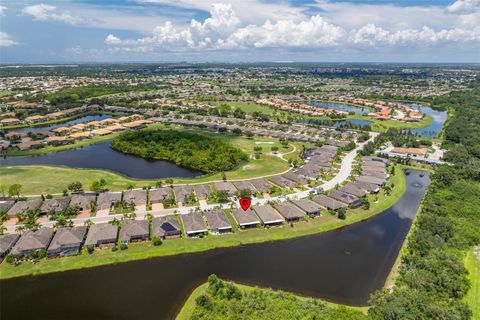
(63, 31)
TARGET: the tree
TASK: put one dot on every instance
(158, 184)
(274, 149)
(365, 203)
(3, 188)
(342, 213)
(387, 190)
(224, 176)
(169, 181)
(14, 190)
(75, 186)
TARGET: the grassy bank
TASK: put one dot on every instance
(190, 304)
(139, 251)
(472, 263)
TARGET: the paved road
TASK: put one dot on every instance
(342, 175)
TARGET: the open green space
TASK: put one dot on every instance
(146, 250)
(218, 299)
(472, 263)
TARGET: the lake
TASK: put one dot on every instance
(89, 118)
(101, 156)
(339, 107)
(434, 129)
(344, 265)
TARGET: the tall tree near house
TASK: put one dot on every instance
(2, 189)
(14, 190)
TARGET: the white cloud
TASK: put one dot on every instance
(2, 10)
(464, 6)
(5, 40)
(45, 12)
(111, 39)
(225, 30)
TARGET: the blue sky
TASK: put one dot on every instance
(65, 31)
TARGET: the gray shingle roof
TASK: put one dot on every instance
(328, 202)
(68, 237)
(245, 218)
(106, 199)
(165, 226)
(22, 206)
(32, 241)
(268, 214)
(193, 223)
(56, 205)
(134, 229)
(157, 195)
(217, 220)
(137, 197)
(101, 233)
(307, 205)
(7, 241)
(289, 211)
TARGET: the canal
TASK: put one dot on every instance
(344, 266)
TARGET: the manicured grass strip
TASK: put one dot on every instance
(472, 263)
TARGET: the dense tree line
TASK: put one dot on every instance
(185, 149)
(224, 300)
(432, 281)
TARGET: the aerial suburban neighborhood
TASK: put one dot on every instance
(240, 160)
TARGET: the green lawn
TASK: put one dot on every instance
(189, 305)
(177, 246)
(472, 263)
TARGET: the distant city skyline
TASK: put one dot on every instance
(76, 31)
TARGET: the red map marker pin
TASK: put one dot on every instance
(245, 203)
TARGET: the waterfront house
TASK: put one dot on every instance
(268, 215)
(138, 198)
(57, 141)
(7, 241)
(6, 205)
(54, 206)
(352, 189)
(367, 187)
(10, 122)
(289, 211)
(166, 228)
(106, 200)
(328, 203)
(84, 201)
(346, 198)
(36, 118)
(102, 235)
(218, 221)
(27, 145)
(32, 241)
(134, 231)
(310, 207)
(372, 180)
(22, 206)
(245, 219)
(67, 241)
(193, 224)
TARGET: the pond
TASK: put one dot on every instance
(339, 107)
(434, 129)
(101, 156)
(64, 124)
(344, 265)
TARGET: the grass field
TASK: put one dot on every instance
(189, 305)
(472, 263)
(146, 250)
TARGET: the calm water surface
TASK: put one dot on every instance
(101, 156)
(344, 266)
(434, 129)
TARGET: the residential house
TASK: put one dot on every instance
(137, 198)
(157, 196)
(67, 241)
(182, 193)
(193, 224)
(353, 189)
(226, 186)
(106, 200)
(372, 180)
(7, 241)
(22, 206)
(202, 191)
(282, 182)
(102, 235)
(310, 207)
(84, 201)
(55, 206)
(289, 211)
(346, 198)
(134, 231)
(261, 184)
(268, 215)
(328, 203)
(245, 219)
(218, 221)
(32, 241)
(166, 228)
